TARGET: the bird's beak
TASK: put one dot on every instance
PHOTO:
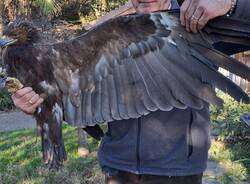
(4, 42)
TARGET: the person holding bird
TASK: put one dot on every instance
(163, 147)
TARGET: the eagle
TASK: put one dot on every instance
(126, 67)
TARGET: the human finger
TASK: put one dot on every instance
(27, 97)
(34, 99)
(21, 92)
(188, 16)
(183, 10)
(203, 20)
(31, 109)
(195, 19)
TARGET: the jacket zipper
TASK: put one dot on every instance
(138, 145)
(190, 141)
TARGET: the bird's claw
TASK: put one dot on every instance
(13, 84)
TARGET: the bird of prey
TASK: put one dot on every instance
(124, 68)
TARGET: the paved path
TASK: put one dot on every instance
(15, 121)
(213, 171)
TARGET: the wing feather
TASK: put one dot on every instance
(70, 111)
(221, 60)
(106, 113)
(153, 89)
(97, 102)
(136, 90)
(128, 95)
(120, 91)
(142, 92)
(113, 98)
(195, 87)
(88, 104)
(165, 81)
(144, 63)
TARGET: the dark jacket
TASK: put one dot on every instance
(242, 9)
(171, 143)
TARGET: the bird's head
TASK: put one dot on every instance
(20, 33)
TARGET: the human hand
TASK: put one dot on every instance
(27, 100)
(196, 13)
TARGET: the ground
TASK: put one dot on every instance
(8, 119)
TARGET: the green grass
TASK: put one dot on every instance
(21, 160)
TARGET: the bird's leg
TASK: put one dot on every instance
(52, 144)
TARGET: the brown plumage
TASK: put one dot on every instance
(125, 68)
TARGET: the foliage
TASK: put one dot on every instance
(88, 10)
(70, 10)
(77, 8)
(227, 120)
(116, 3)
(231, 149)
(5, 101)
(49, 7)
(101, 7)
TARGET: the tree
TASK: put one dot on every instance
(1, 16)
(100, 7)
(83, 150)
(11, 8)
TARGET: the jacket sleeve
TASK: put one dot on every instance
(242, 10)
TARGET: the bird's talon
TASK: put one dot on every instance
(13, 85)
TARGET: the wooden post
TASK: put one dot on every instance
(83, 150)
(245, 59)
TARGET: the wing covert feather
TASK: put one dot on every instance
(144, 63)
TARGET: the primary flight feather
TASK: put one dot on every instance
(126, 68)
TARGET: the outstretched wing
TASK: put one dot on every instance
(131, 66)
